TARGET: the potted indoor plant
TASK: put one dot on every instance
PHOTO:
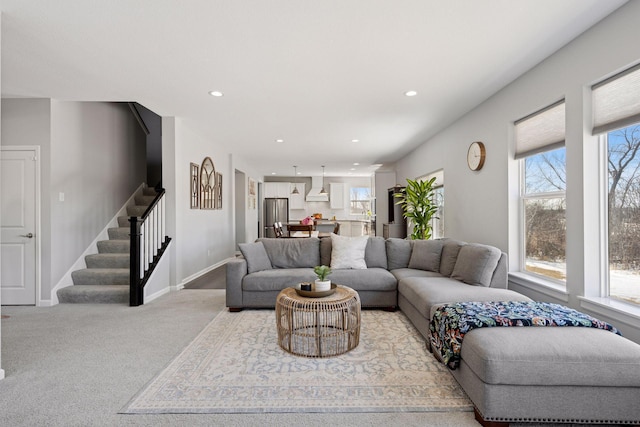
(418, 206)
(322, 283)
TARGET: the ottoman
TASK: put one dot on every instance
(550, 374)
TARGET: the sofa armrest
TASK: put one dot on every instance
(499, 278)
(236, 270)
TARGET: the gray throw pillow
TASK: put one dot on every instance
(301, 252)
(256, 256)
(375, 254)
(398, 253)
(426, 255)
(476, 264)
(450, 249)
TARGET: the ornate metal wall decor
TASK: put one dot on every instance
(210, 186)
(194, 182)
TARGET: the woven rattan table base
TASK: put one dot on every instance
(318, 327)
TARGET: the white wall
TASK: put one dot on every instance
(479, 204)
(1, 370)
(203, 238)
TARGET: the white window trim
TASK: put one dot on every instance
(541, 284)
(533, 280)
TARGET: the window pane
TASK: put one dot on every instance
(360, 198)
(545, 172)
(437, 221)
(624, 213)
(545, 237)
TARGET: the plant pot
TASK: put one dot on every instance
(322, 285)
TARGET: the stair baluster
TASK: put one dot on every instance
(148, 243)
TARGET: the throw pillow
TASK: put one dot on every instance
(256, 256)
(426, 255)
(398, 252)
(450, 250)
(476, 263)
(348, 252)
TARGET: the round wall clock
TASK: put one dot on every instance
(476, 156)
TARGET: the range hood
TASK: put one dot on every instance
(314, 194)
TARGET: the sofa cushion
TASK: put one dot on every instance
(292, 253)
(371, 279)
(375, 253)
(450, 250)
(401, 273)
(398, 253)
(427, 293)
(348, 252)
(276, 279)
(426, 255)
(476, 263)
(546, 356)
(256, 256)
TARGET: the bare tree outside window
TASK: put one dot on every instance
(544, 209)
(623, 199)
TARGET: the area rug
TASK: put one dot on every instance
(236, 366)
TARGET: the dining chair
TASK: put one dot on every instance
(292, 228)
(277, 228)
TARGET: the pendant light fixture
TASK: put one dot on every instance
(295, 184)
(323, 191)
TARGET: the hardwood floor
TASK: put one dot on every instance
(215, 279)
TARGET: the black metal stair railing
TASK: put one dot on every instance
(148, 243)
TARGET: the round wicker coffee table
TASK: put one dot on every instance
(318, 327)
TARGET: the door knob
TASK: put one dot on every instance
(30, 235)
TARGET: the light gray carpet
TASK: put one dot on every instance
(236, 366)
(79, 364)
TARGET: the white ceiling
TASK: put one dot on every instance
(317, 74)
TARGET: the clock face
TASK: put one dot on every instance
(476, 156)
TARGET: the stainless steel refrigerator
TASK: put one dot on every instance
(275, 210)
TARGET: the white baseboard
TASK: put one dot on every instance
(186, 280)
(1, 374)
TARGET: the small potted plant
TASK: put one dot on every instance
(322, 283)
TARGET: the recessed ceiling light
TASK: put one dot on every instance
(215, 93)
(356, 164)
(279, 140)
(273, 173)
(355, 140)
(352, 169)
(411, 93)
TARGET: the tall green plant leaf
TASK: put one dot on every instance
(418, 207)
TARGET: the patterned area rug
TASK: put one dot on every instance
(236, 366)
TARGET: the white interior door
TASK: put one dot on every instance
(18, 224)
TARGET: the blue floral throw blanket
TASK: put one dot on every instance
(451, 322)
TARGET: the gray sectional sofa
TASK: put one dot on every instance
(564, 375)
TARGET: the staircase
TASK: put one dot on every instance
(106, 278)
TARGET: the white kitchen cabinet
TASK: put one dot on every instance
(296, 201)
(337, 195)
(277, 189)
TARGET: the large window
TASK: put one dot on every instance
(540, 146)
(616, 117)
(544, 223)
(623, 201)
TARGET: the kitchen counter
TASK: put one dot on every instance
(348, 227)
